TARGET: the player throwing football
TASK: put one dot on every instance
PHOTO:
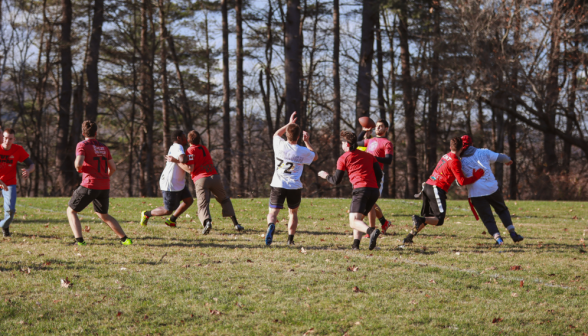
(435, 189)
(290, 159)
(364, 174)
(94, 161)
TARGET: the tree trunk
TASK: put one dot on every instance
(431, 135)
(512, 121)
(239, 96)
(146, 104)
(208, 84)
(409, 107)
(552, 90)
(499, 140)
(184, 107)
(292, 62)
(336, 142)
(570, 111)
(226, 95)
(163, 69)
(93, 57)
(65, 176)
(364, 74)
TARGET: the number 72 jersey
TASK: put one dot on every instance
(289, 164)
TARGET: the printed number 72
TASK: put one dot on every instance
(289, 164)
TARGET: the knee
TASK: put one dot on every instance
(189, 201)
(293, 212)
(71, 211)
(103, 217)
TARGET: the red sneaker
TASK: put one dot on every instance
(385, 226)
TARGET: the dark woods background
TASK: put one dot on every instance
(512, 73)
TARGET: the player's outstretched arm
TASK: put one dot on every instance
(306, 138)
(111, 167)
(385, 160)
(79, 162)
(282, 130)
(460, 177)
(187, 168)
(334, 180)
(31, 168)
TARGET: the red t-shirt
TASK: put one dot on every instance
(199, 156)
(8, 160)
(447, 171)
(360, 168)
(95, 166)
(379, 147)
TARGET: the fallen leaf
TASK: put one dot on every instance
(352, 268)
(215, 312)
(483, 232)
(185, 266)
(357, 290)
(432, 281)
(66, 283)
(515, 268)
(249, 261)
(575, 217)
(86, 229)
(413, 302)
(239, 305)
(118, 314)
(514, 294)
(496, 320)
(357, 323)
(522, 283)
(310, 331)
(145, 317)
(302, 250)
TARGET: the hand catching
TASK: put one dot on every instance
(305, 136)
(293, 118)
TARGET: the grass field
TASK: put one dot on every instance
(179, 282)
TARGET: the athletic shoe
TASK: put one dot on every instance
(354, 248)
(170, 223)
(269, 236)
(367, 235)
(385, 226)
(207, 228)
(417, 222)
(516, 237)
(374, 239)
(127, 241)
(408, 239)
(144, 219)
(80, 243)
(499, 241)
(291, 243)
(239, 228)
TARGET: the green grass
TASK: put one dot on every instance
(451, 281)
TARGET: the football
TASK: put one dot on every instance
(367, 122)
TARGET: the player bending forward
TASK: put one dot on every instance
(435, 189)
(364, 173)
(290, 160)
(206, 181)
(485, 192)
(172, 184)
(382, 149)
(94, 161)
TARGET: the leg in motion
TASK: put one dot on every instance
(292, 225)
(9, 209)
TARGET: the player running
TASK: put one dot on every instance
(364, 173)
(207, 181)
(94, 161)
(434, 190)
(485, 192)
(172, 184)
(382, 149)
(290, 160)
(10, 155)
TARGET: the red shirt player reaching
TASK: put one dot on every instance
(94, 161)
(435, 189)
(364, 174)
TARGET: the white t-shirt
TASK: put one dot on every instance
(290, 161)
(487, 184)
(173, 178)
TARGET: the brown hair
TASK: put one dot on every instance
(194, 137)
(9, 131)
(385, 122)
(89, 128)
(350, 138)
(292, 132)
(455, 144)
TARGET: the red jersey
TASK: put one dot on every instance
(379, 147)
(360, 168)
(8, 160)
(199, 156)
(448, 170)
(95, 166)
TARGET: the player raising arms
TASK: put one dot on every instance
(10, 155)
(364, 173)
(435, 189)
(290, 160)
(485, 192)
(94, 161)
(172, 184)
(382, 149)
(206, 181)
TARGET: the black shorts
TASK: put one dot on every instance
(83, 196)
(279, 195)
(434, 203)
(172, 199)
(363, 200)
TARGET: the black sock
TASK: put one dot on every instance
(80, 240)
(370, 230)
(356, 243)
(148, 213)
(173, 218)
(234, 219)
(123, 239)
(268, 224)
(382, 220)
(291, 238)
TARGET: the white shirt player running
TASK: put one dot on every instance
(487, 184)
(289, 160)
(173, 178)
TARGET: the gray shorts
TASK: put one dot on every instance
(172, 199)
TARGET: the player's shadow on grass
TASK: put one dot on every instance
(40, 221)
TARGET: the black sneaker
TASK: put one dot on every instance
(239, 228)
(5, 232)
(291, 243)
(207, 228)
(516, 237)
(374, 239)
(407, 239)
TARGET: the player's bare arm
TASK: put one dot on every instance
(306, 139)
(282, 130)
(79, 162)
(186, 168)
(27, 171)
(181, 159)
(111, 167)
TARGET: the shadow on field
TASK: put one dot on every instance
(40, 221)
